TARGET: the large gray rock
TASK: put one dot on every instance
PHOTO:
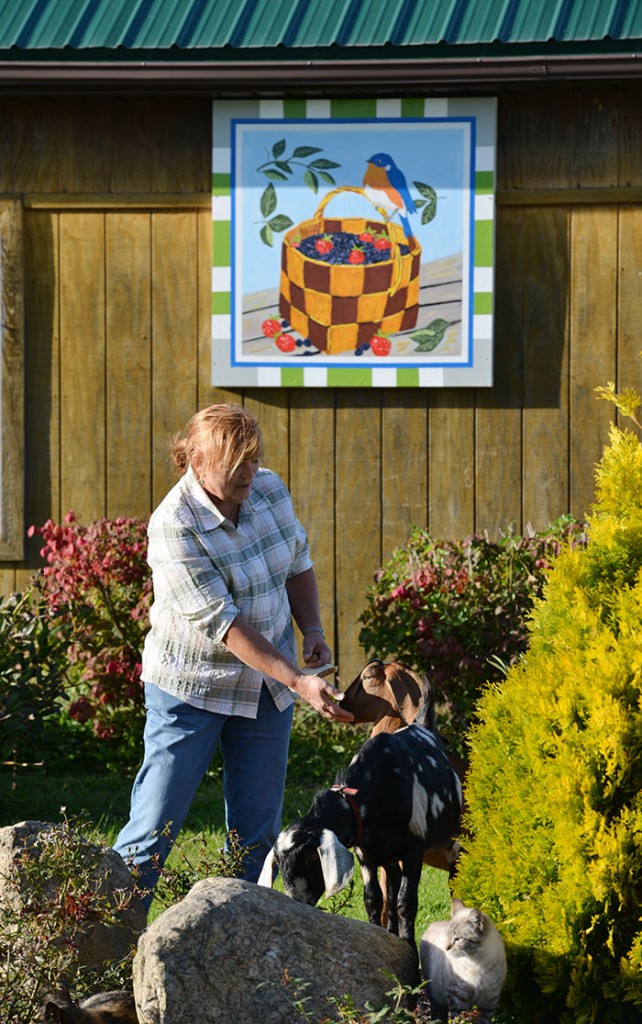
(107, 873)
(222, 954)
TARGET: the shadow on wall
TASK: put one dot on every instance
(42, 374)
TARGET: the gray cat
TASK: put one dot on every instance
(464, 963)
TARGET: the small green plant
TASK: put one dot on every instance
(192, 859)
(32, 676)
(60, 896)
(555, 787)
(458, 610)
(343, 1009)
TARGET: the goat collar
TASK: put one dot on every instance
(350, 794)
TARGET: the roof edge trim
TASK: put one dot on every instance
(193, 75)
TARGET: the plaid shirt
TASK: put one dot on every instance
(206, 571)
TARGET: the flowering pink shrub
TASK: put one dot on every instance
(96, 582)
(457, 610)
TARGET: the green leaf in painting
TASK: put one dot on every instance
(268, 201)
(311, 180)
(280, 223)
(327, 177)
(275, 175)
(302, 151)
(266, 235)
(283, 166)
(324, 165)
(430, 205)
(278, 148)
(427, 191)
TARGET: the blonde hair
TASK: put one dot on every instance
(220, 435)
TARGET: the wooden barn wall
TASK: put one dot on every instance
(117, 242)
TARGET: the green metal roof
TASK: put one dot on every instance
(121, 29)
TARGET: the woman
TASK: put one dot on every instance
(231, 567)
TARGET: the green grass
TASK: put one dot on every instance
(77, 787)
(103, 801)
(72, 783)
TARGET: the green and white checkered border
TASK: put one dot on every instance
(478, 375)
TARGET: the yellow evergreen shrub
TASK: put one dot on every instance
(556, 776)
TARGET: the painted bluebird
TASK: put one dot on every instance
(385, 186)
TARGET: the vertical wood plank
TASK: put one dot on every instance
(357, 515)
(7, 144)
(182, 137)
(175, 337)
(592, 125)
(498, 419)
(629, 336)
(154, 143)
(42, 379)
(128, 387)
(451, 462)
(86, 142)
(404, 466)
(12, 369)
(9, 584)
(133, 149)
(82, 357)
(529, 126)
(312, 454)
(545, 470)
(34, 128)
(271, 406)
(206, 393)
(592, 344)
(629, 137)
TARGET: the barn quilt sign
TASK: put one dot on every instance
(353, 242)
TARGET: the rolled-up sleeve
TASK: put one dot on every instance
(301, 561)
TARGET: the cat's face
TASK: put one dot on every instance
(466, 930)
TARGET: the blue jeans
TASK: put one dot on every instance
(180, 742)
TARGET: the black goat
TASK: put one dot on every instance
(398, 797)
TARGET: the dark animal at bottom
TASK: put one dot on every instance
(103, 1008)
(398, 797)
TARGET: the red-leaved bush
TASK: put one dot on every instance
(97, 584)
(457, 610)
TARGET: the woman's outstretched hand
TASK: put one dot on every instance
(323, 697)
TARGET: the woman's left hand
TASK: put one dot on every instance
(316, 650)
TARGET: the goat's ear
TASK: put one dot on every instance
(406, 690)
(337, 863)
(266, 877)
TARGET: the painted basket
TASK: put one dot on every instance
(339, 307)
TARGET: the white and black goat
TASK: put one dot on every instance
(389, 695)
(398, 797)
